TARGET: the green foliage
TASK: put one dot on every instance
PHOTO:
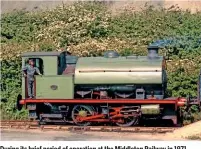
(191, 114)
(126, 52)
(10, 88)
(88, 29)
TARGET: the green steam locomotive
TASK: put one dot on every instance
(88, 90)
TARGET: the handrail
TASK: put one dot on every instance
(85, 71)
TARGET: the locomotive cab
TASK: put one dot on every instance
(52, 83)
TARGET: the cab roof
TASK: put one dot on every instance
(52, 53)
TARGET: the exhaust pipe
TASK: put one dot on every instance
(153, 52)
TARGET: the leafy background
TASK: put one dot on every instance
(89, 29)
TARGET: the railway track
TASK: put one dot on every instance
(33, 125)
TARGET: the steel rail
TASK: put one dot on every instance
(33, 125)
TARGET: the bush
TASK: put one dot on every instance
(88, 29)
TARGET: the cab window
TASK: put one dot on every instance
(38, 62)
(59, 61)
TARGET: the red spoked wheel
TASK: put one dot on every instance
(80, 111)
(128, 121)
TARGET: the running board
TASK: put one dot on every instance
(51, 116)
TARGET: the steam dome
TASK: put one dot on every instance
(111, 54)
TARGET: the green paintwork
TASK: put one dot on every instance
(122, 66)
(50, 72)
(150, 109)
(65, 88)
(50, 65)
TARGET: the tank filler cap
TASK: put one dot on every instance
(111, 54)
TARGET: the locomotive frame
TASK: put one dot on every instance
(56, 100)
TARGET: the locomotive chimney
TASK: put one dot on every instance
(153, 52)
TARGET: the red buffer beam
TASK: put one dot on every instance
(177, 101)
